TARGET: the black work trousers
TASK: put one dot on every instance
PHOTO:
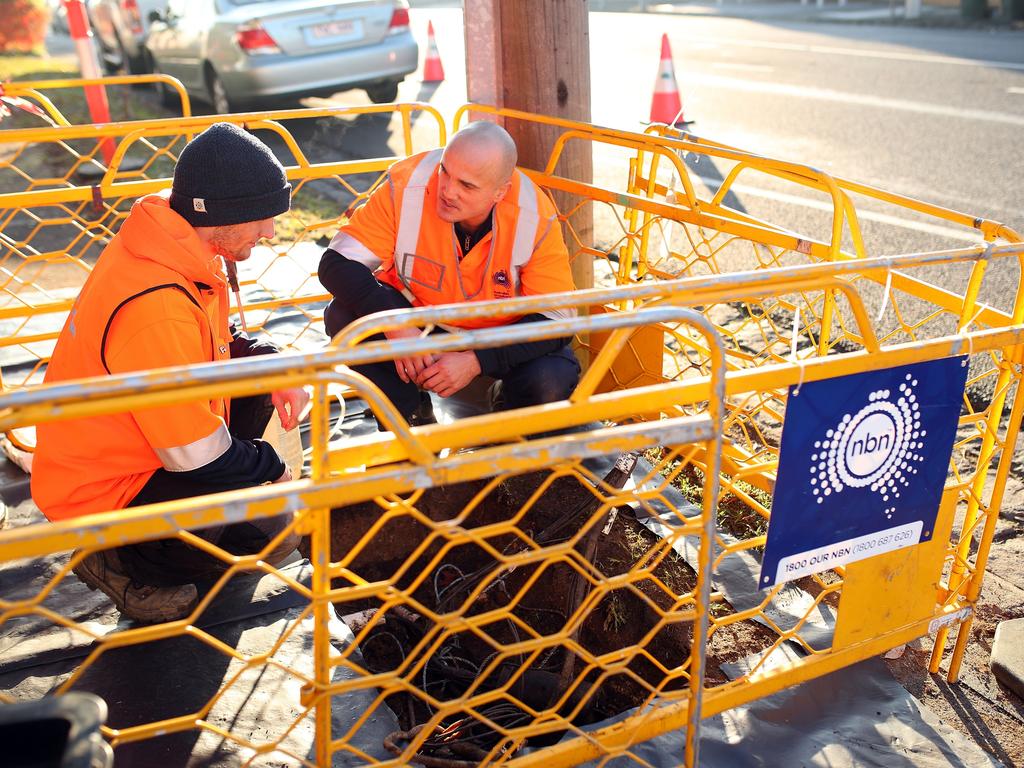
(170, 562)
(544, 379)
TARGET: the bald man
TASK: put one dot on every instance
(453, 225)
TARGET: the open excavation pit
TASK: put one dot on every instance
(533, 601)
(570, 633)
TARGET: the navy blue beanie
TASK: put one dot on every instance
(226, 175)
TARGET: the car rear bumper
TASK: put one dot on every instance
(282, 75)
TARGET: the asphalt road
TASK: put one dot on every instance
(935, 114)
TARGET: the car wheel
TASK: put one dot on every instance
(167, 95)
(123, 64)
(134, 65)
(111, 61)
(219, 98)
(382, 93)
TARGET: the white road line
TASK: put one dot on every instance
(923, 58)
(743, 67)
(1013, 89)
(862, 215)
(826, 94)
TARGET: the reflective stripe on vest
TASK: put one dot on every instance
(199, 453)
(351, 248)
(411, 214)
(526, 228)
(526, 225)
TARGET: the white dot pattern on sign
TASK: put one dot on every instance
(852, 456)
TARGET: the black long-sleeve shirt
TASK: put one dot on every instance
(245, 464)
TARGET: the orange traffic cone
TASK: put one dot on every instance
(665, 105)
(433, 72)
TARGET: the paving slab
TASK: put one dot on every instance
(1008, 655)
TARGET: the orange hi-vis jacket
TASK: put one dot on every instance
(398, 235)
(157, 297)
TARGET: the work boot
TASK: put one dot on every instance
(424, 413)
(102, 571)
(284, 550)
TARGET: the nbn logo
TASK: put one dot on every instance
(877, 447)
(872, 444)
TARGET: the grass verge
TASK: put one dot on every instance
(735, 513)
(126, 103)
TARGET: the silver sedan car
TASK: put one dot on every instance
(236, 53)
(120, 27)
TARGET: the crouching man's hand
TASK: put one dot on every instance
(409, 369)
(291, 406)
(450, 372)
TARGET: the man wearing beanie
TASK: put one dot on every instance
(158, 297)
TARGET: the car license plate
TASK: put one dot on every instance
(334, 32)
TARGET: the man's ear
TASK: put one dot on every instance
(499, 195)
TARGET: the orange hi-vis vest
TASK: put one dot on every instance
(398, 235)
(157, 297)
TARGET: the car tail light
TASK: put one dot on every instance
(399, 19)
(255, 40)
(133, 15)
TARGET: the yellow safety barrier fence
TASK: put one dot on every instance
(710, 314)
(40, 94)
(522, 636)
(712, 237)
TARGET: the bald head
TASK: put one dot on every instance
(491, 148)
(475, 174)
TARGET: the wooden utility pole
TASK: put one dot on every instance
(534, 56)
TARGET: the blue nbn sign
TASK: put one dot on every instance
(862, 465)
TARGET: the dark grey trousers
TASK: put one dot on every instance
(169, 562)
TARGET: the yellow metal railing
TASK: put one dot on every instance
(560, 457)
(398, 470)
(41, 92)
(777, 307)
